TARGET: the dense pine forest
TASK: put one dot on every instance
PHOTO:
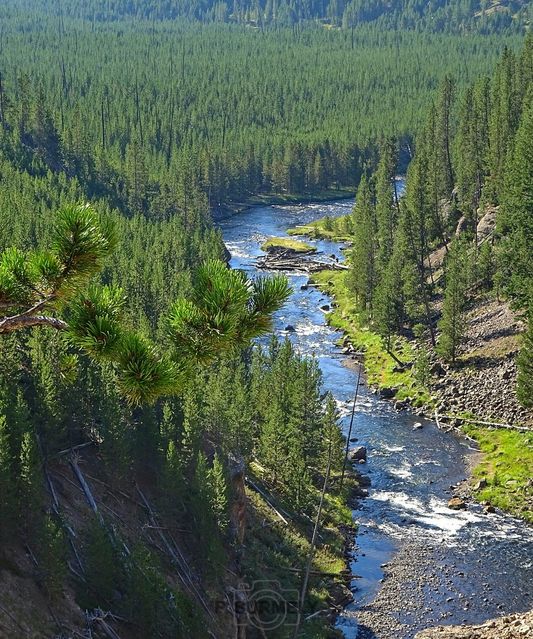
(464, 225)
(148, 447)
(485, 16)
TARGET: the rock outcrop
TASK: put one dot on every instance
(484, 381)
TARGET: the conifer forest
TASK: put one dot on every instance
(266, 319)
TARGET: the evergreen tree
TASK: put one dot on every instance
(525, 365)
(219, 494)
(389, 304)
(363, 276)
(332, 439)
(516, 215)
(452, 323)
(386, 211)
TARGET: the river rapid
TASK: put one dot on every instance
(416, 562)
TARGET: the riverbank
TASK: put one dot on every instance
(502, 479)
(394, 376)
(272, 524)
(279, 199)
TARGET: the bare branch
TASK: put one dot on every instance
(16, 322)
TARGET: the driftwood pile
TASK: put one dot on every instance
(299, 261)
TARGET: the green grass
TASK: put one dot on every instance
(287, 243)
(506, 466)
(278, 552)
(338, 229)
(381, 368)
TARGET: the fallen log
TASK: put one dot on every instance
(289, 263)
(487, 423)
(267, 500)
(85, 486)
(184, 572)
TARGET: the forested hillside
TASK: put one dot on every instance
(136, 112)
(464, 225)
(484, 16)
(447, 269)
(148, 450)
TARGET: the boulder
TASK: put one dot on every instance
(400, 404)
(437, 370)
(486, 224)
(358, 453)
(387, 392)
(418, 426)
(304, 287)
(456, 503)
(290, 328)
(325, 307)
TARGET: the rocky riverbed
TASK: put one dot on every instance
(509, 627)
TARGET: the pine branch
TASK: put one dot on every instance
(17, 322)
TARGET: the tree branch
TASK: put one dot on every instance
(16, 322)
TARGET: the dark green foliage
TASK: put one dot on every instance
(132, 584)
(363, 256)
(441, 15)
(225, 310)
(51, 554)
(104, 569)
(452, 324)
(516, 215)
(332, 445)
(525, 366)
(172, 129)
(219, 494)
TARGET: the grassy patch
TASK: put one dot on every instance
(276, 551)
(381, 368)
(506, 467)
(338, 229)
(287, 243)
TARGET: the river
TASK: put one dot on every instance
(466, 566)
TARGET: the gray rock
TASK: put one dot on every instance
(438, 370)
(357, 453)
(456, 503)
